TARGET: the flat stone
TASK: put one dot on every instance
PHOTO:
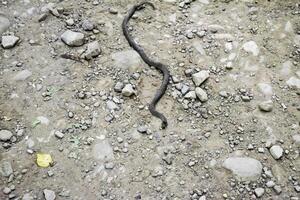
(200, 77)
(27, 196)
(190, 95)
(6, 169)
(128, 90)
(22, 75)
(259, 192)
(102, 150)
(5, 135)
(49, 194)
(245, 168)
(4, 24)
(127, 60)
(276, 151)
(9, 41)
(251, 47)
(266, 106)
(72, 38)
(201, 94)
(119, 86)
(293, 83)
(59, 134)
(93, 50)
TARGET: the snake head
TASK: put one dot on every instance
(164, 124)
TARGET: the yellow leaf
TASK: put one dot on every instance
(43, 159)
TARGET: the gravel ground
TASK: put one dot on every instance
(233, 102)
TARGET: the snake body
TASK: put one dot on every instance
(159, 66)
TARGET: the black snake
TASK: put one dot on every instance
(159, 66)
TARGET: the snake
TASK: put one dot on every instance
(159, 66)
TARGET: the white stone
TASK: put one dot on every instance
(251, 47)
(5, 135)
(276, 151)
(59, 134)
(49, 194)
(244, 168)
(128, 90)
(127, 60)
(112, 105)
(72, 38)
(266, 106)
(293, 83)
(22, 75)
(93, 50)
(265, 89)
(190, 95)
(204, 1)
(200, 77)
(9, 41)
(201, 94)
(259, 192)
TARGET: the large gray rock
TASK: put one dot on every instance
(5, 135)
(244, 168)
(128, 90)
(22, 75)
(293, 83)
(276, 151)
(127, 60)
(5, 168)
(4, 24)
(49, 194)
(9, 41)
(72, 38)
(200, 77)
(201, 94)
(93, 50)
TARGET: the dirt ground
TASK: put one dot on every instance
(235, 135)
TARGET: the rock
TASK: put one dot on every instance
(87, 25)
(259, 192)
(4, 24)
(277, 189)
(276, 151)
(251, 47)
(73, 39)
(296, 138)
(27, 196)
(128, 90)
(103, 150)
(49, 194)
(93, 50)
(265, 89)
(59, 134)
(70, 22)
(127, 60)
(190, 95)
(9, 41)
(266, 106)
(6, 169)
(112, 105)
(142, 129)
(5, 135)
(270, 184)
(200, 77)
(245, 168)
(293, 83)
(118, 87)
(109, 165)
(201, 94)
(6, 190)
(22, 75)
